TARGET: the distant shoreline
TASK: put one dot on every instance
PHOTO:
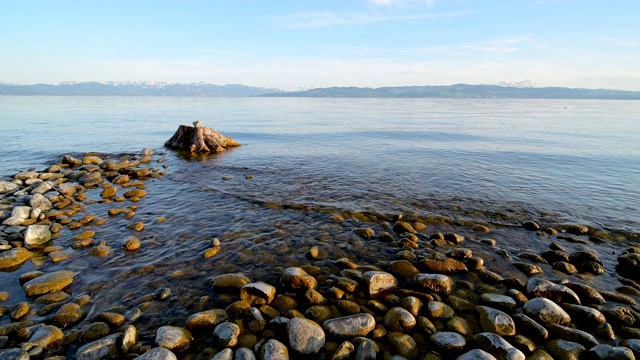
(458, 91)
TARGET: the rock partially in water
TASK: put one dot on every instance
(257, 293)
(199, 139)
(37, 234)
(295, 278)
(105, 348)
(54, 281)
(14, 257)
(205, 320)
(47, 337)
(538, 287)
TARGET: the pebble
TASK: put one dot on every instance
(350, 326)
(104, 348)
(437, 283)
(54, 281)
(226, 334)
(274, 350)
(158, 353)
(496, 321)
(448, 341)
(205, 320)
(173, 338)
(377, 283)
(305, 336)
(257, 293)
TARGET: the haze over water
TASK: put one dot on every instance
(574, 158)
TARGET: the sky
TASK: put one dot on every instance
(303, 44)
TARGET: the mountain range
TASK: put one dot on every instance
(523, 90)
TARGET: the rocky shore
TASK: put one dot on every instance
(441, 295)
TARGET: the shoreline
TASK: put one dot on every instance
(377, 265)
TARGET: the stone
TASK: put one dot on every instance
(586, 293)
(444, 266)
(38, 201)
(403, 344)
(37, 234)
(254, 320)
(295, 278)
(131, 243)
(476, 354)
(546, 311)
(226, 334)
(305, 336)
(14, 354)
(157, 353)
(19, 311)
(608, 352)
(95, 331)
(225, 354)
(633, 344)
(447, 341)
(497, 346)
(399, 319)
(527, 269)
(205, 320)
(174, 338)
(538, 287)
(366, 349)
(231, 281)
(530, 326)
(377, 283)
(629, 265)
(67, 314)
(439, 310)
(561, 349)
(47, 336)
(257, 293)
(350, 326)
(436, 283)
(105, 348)
(566, 333)
(244, 353)
(199, 140)
(620, 315)
(274, 350)
(496, 321)
(365, 233)
(54, 281)
(343, 352)
(6, 186)
(14, 257)
(454, 238)
(500, 301)
(128, 339)
(565, 267)
(584, 315)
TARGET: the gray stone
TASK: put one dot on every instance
(570, 334)
(399, 319)
(497, 346)
(378, 282)
(633, 344)
(38, 201)
(274, 350)
(37, 234)
(226, 334)
(538, 287)
(174, 338)
(105, 348)
(608, 352)
(446, 340)
(225, 354)
(584, 315)
(546, 311)
(530, 326)
(496, 321)
(350, 326)
(14, 354)
(476, 354)
(245, 354)
(157, 353)
(502, 302)
(6, 186)
(305, 336)
(47, 337)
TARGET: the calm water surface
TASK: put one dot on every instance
(579, 158)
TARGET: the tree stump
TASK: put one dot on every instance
(200, 139)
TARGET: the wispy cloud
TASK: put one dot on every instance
(319, 19)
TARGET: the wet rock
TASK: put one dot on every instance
(403, 344)
(378, 283)
(454, 238)
(476, 354)
(459, 325)
(620, 315)
(257, 293)
(157, 353)
(274, 350)
(528, 269)
(399, 319)
(444, 266)
(68, 314)
(365, 233)
(14, 354)
(128, 339)
(436, 283)
(531, 225)
(575, 229)
(225, 354)
(439, 310)
(561, 349)
(608, 352)
(113, 319)
(403, 269)
(552, 256)
(244, 353)
(54, 281)
(584, 315)
(229, 281)
(343, 352)
(255, 321)
(95, 331)
(226, 334)
(497, 346)
(538, 287)
(402, 227)
(19, 311)
(305, 336)
(205, 320)
(448, 341)
(499, 301)
(633, 344)
(350, 326)
(47, 337)
(546, 311)
(14, 257)
(100, 251)
(629, 266)
(131, 243)
(496, 321)
(366, 349)
(566, 333)
(105, 348)
(174, 338)
(37, 234)
(6, 186)
(295, 278)
(586, 293)
(565, 267)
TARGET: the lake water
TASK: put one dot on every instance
(320, 169)
(578, 159)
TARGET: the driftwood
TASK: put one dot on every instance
(200, 139)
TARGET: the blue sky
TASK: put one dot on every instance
(283, 43)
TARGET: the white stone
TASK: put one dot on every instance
(37, 234)
(305, 336)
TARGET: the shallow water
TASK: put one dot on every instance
(321, 168)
